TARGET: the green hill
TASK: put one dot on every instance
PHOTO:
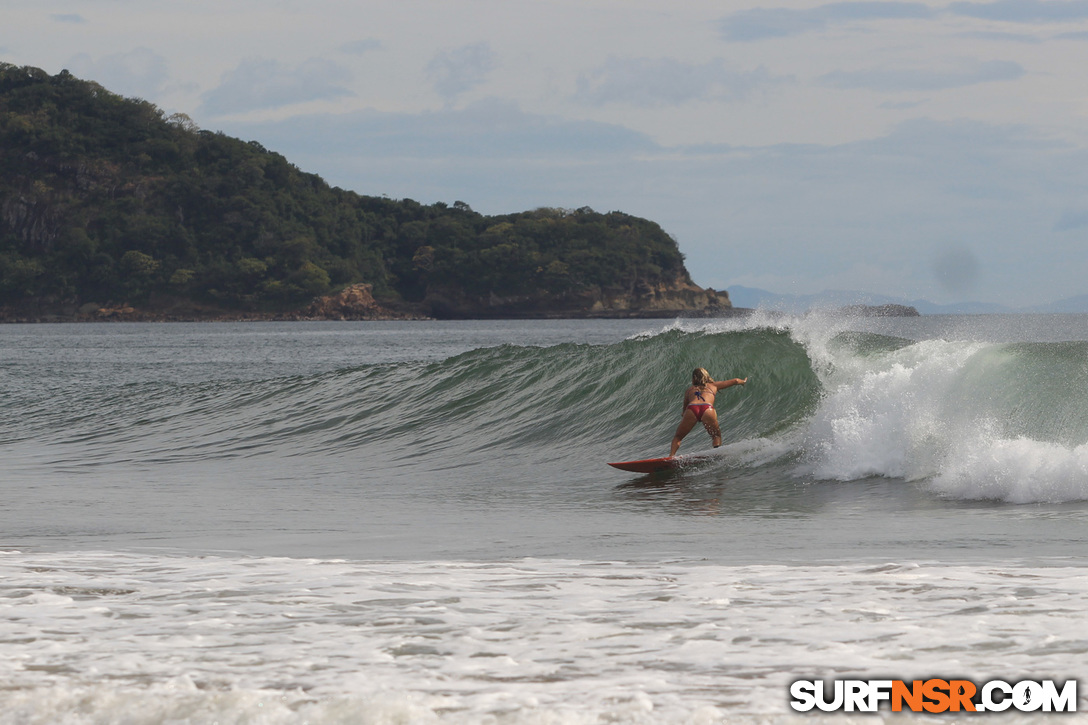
(105, 201)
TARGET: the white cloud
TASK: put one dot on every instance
(761, 23)
(141, 72)
(901, 105)
(666, 81)
(1024, 11)
(262, 83)
(968, 73)
(1001, 37)
(487, 129)
(453, 72)
(1070, 220)
(361, 47)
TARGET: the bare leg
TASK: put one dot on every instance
(710, 422)
(686, 424)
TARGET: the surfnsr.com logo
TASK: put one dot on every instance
(934, 695)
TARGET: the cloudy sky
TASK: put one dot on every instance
(920, 149)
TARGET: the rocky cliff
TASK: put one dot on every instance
(678, 298)
(354, 303)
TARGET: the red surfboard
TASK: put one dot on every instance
(653, 465)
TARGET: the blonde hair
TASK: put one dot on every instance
(700, 377)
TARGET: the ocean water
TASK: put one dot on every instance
(401, 522)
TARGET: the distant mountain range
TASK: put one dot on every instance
(753, 297)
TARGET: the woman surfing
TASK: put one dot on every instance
(699, 407)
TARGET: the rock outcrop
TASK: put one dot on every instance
(680, 299)
(353, 303)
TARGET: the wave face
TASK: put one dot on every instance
(972, 420)
(505, 400)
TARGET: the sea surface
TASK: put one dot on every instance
(414, 522)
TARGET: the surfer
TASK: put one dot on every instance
(699, 407)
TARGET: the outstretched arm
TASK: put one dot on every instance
(730, 383)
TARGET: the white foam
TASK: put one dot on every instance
(1017, 470)
(888, 415)
(102, 637)
(924, 413)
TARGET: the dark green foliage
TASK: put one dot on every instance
(103, 198)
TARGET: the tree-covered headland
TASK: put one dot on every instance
(106, 202)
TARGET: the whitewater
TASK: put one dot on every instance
(399, 522)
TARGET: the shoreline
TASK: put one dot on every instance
(357, 302)
(358, 305)
(390, 316)
(279, 317)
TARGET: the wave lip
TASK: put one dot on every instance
(973, 420)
